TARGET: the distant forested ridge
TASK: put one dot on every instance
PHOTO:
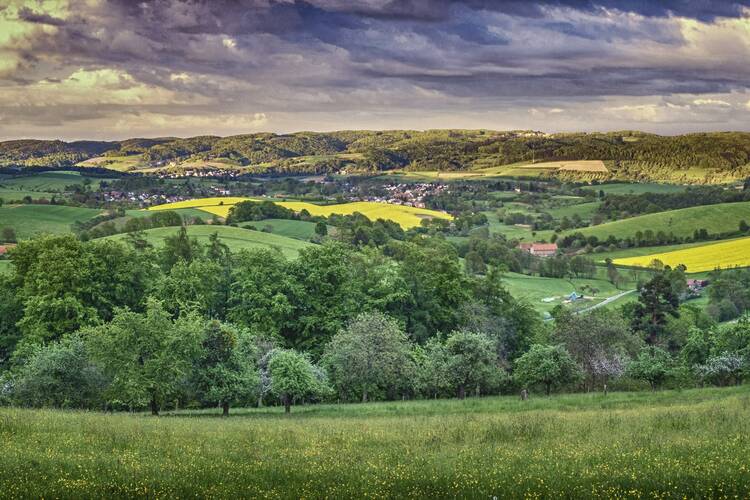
(694, 158)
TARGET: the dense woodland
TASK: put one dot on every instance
(125, 326)
(631, 155)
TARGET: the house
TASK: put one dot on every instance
(539, 249)
(4, 248)
(696, 285)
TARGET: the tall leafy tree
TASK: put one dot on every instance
(471, 359)
(292, 376)
(550, 366)
(368, 356)
(656, 302)
(147, 355)
(225, 370)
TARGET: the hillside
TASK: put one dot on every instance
(32, 220)
(235, 238)
(693, 158)
(723, 255)
(684, 222)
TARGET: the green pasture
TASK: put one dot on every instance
(31, 220)
(637, 188)
(683, 222)
(234, 237)
(297, 229)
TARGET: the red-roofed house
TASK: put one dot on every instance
(539, 249)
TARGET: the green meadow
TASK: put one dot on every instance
(670, 444)
(32, 220)
(234, 237)
(683, 222)
(297, 229)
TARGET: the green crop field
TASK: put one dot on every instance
(683, 444)
(31, 220)
(714, 218)
(234, 237)
(640, 188)
(298, 229)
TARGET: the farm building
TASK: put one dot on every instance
(696, 285)
(539, 249)
(4, 248)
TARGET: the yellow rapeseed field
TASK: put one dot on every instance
(406, 217)
(727, 254)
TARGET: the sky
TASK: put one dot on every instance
(96, 69)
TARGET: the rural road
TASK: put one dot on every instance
(605, 301)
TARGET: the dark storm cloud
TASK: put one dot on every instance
(345, 56)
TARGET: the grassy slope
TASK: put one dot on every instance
(714, 218)
(297, 229)
(30, 220)
(628, 188)
(236, 238)
(535, 288)
(668, 444)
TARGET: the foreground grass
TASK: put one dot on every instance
(670, 444)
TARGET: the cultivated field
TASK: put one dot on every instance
(235, 238)
(407, 217)
(626, 445)
(724, 255)
(32, 220)
(714, 218)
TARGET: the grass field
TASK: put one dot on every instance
(714, 218)
(535, 288)
(41, 185)
(234, 237)
(4, 265)
(31, 220)
(639, 188)
(298, 229)
(687, 444)
(407, 217)
(724, 255)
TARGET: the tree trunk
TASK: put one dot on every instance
(461, 392)
(225, 409)
(364, 396)
(547, 388)
(287, 404)
(154, 407)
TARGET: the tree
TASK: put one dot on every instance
(321, 228)
(722, 369)
(474, 263)
(197, 286)
(178, 247)
(547, 365)
(367, 356)
(652, 365)
(656, 302)
(599, 341)
(60, 375)
(471, 358)
(260, 292)
(431, 362)
(8, 235)
(225, 372)
(147, 355)
(292, 376)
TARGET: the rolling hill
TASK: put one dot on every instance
(235, 238)
(702, 158)
(715, 219)
(32, 220)
(407, 217)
